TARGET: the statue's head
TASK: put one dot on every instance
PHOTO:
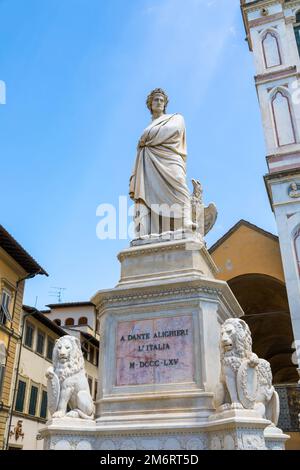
(235, 338)
(67, 352)
(157, 101)
(294, 187)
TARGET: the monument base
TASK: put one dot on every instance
(229, 430)
(159, 359)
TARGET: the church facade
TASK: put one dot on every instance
(273, 35)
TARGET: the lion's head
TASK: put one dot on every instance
(67, 356)
(235, 338)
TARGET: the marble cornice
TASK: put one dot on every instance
(259, 4)
(157, 294)
(276, 75)
(265, 20)
(145, 251)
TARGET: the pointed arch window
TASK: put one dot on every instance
(283, 119)
(296, 241)
(271, 51)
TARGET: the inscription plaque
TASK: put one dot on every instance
(155, 351)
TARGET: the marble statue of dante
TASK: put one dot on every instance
(158, 183)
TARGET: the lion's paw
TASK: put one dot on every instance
(58, 414)
(72, 414)
(236, 406)
(224, 407)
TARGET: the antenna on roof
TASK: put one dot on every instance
(57, 292)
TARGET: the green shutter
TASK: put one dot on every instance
(44, 402)
(29, 335)
(297, 34)
(50, 347)
(2, 370)
(33, 400)
(20, 396)
(40, 343)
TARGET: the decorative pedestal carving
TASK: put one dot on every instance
(230, 430)
(242, 429)
(69, 434)
(275, 439)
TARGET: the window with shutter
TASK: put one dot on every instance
(297, 31)
(44, 400)
(29, 335)
(40, 342)
(33, 399)
(20, 396)
(4, 308)
(2, 364)
(50, 347)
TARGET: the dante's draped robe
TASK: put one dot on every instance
(159, 175)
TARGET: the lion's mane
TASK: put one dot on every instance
(242, 341)
(75, 362)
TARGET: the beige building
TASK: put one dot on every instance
(16, 265)
(78, 319)
(30, 404)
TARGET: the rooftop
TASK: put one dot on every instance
(239, 224)
(69, 304)
(33, 312)
(17, 252)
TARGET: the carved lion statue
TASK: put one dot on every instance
(246, 380)
(67, 382)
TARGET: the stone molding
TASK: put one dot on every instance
(150, 294)
(276, 75)
(265, 20)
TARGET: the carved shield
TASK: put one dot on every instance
(53, 388)
(247, 385)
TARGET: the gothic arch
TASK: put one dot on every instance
(297, 15)
(282, 114)
(293, 224)
(270, 43)
(69, 322)
(296, 243)
(265, 303)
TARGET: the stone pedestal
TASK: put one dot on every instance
(275, 439)
(229, 430)
(159, 339)
(240, 429)
(159, 359)
(69, 434)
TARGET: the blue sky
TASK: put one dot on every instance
(77, 74)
